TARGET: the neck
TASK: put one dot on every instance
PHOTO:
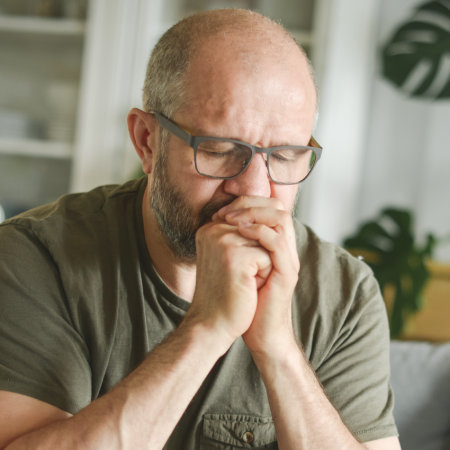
(179, 275)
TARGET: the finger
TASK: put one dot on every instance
(263, 215)
(263, 274)
(263, 262)
(284, 256)
(281, 221)
(223, 231)
(260, 281)
(258, 258)
(247, 201)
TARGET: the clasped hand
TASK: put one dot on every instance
(247, 270)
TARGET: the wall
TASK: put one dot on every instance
(343, 57)
(380, 147)
(407, 151)
(119, 39)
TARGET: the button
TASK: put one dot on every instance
(248, 436)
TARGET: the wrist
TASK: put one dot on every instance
(281, 356)
(211, 337)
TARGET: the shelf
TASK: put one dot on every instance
(29, 147)
(40, 25)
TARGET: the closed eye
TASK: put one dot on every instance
(281, 158)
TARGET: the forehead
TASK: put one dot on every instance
(250, 84)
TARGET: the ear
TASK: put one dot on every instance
(144, 133)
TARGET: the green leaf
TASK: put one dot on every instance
(417, 58)
(398, 261)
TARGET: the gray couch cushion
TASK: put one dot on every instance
(420, 377)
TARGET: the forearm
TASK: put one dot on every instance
(141, 411)
(303, 416)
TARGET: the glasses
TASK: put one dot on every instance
(224, 159)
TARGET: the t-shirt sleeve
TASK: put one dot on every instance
(356, 372)
(41, 353)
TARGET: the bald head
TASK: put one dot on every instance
(212, 40)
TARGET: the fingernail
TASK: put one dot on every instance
(233, 214)
(245, 224)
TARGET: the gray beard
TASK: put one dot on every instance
(177, 221)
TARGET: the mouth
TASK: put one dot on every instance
(210, 209)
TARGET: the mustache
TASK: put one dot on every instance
(210, 209)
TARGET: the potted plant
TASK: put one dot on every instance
(388, 246)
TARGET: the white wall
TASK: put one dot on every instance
(380, 148)
(344, 60)
(407, 151)
(119, 39)
(120, 36)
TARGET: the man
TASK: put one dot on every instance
(120, 331)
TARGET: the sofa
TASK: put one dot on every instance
(420, 378)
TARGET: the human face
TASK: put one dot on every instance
(267, 107)
(177, 220)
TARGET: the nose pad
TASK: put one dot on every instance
(254, 162)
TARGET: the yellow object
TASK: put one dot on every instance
(432, 322)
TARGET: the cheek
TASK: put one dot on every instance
(197, 189)
(181, 168)
(181, 159)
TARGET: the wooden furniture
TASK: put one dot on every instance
(432, 322)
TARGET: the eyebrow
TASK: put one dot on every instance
(232, 138)
(237, 139)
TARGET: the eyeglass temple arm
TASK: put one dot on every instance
(177, 131)
(314, 143)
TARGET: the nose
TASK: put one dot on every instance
(253, 181)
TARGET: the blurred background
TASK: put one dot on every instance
(70, 70)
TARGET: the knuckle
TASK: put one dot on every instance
(278, 204)
(223, 240)
(226, 239)
(260, 229)
(229, 257)
(210, 233)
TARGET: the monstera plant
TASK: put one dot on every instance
(388, 247)
(417, 58)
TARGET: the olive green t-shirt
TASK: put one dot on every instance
(81, 306)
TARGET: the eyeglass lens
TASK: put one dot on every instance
(227, 159)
